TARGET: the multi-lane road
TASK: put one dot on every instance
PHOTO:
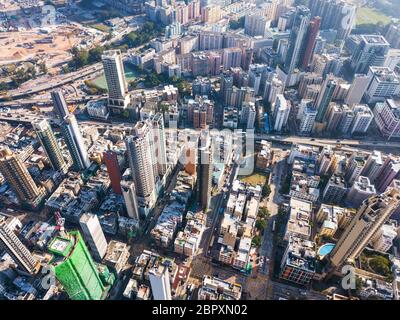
(27, 116)
(44, 102)
(55, 82)
(324, 141)
(272, 205)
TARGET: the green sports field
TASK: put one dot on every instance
(367, 15)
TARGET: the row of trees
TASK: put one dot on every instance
(261, 223)
(137, 38)
(285, 188)
(4, 86)
(21, 74)
(93, 89)
(83, 57)
(266, 190)
(256, 241)
(378, 263)
(104, 13)
(237, 24)
(280, 223)
(152, 80)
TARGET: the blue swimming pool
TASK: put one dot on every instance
(326, 249)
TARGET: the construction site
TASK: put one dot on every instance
(50, 44)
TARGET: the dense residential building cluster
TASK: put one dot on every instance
(187, 242)
(323, 228)
(237, 226)
(209, 150)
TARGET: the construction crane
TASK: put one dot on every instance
(71, 108)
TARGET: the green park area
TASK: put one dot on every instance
(258, 178)
(130, 74)
(377, 263)
(254, 179)
(367, 15)
(101, 27)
